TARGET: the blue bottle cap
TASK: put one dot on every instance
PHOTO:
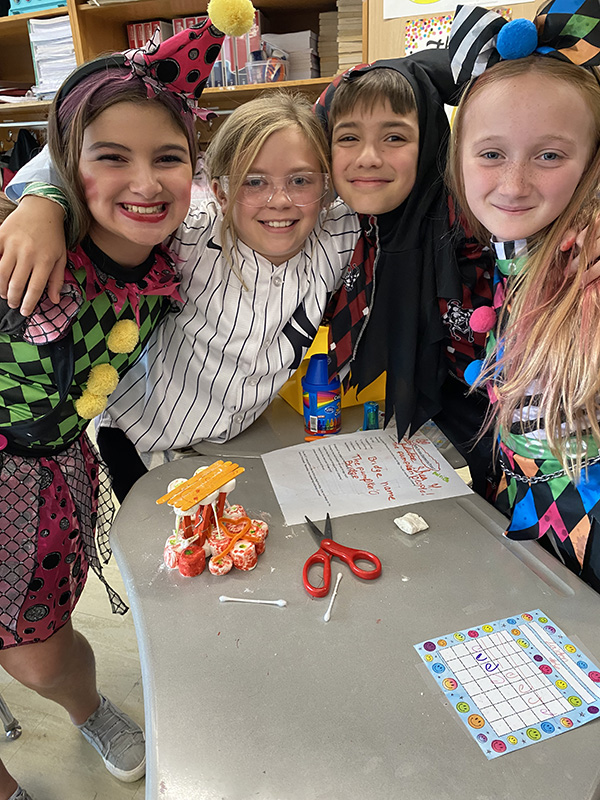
(317, 374)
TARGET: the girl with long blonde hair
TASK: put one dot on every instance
(524, 167)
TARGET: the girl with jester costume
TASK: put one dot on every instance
(525, 173)
(126, 149)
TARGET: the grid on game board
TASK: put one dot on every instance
(512, 693)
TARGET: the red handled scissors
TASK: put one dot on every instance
(327, 550)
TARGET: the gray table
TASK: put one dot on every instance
(250, 701)
(282, 426)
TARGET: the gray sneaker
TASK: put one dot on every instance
(118, 739)
(20, 794)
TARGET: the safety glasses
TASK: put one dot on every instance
(301, 188)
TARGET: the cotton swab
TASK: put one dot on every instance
(224, 599)
(327, 616)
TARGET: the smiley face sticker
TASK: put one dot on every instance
(522, 643)
(475, 721)
(547, 727)
(450, 684)
(463, 708)
(498, 746)
(560, 684)
(460, 637)
(438, 668)
(512, 740)
(533, 734)
(570, 648)
(487, 628)
(526, 617)
(566, 722)
(575, 701)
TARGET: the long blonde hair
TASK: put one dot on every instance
(551, 340)
(238, 141)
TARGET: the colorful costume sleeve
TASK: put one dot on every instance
(38, 189)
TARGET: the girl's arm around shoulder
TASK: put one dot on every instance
(32, 253)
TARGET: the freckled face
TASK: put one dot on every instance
(137, 175)
(521, 161)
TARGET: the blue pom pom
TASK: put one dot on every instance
(517, 39)
(473, 371)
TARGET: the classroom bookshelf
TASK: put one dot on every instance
(101, 28)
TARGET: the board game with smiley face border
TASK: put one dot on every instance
(515, 681)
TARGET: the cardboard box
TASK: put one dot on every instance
(291, 391)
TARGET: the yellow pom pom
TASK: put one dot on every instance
(232, 17)
(103, 379)
(90, 405)
(124, 336)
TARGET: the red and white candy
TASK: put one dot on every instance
(244, 555)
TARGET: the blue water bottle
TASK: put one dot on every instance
(321, 399)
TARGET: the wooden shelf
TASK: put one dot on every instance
(7, 24)
(102, 29)
(26, 111)
(221, 99)
(150, 9)
(230, 97)
(15, 50)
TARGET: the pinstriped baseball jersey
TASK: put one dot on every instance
(213, 366)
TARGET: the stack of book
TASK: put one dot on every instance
(301, 48)
(180, 23)
(138, 33)
(53, 54)
(349, 33)
(328, 46)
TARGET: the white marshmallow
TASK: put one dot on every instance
(411, 523)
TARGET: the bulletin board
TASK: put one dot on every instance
(387, 38)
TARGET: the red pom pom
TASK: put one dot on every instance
(483, 319)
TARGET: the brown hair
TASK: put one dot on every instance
(239, 139)
(373, 88)
(551, 340)
(6, 207)
(70, 116)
